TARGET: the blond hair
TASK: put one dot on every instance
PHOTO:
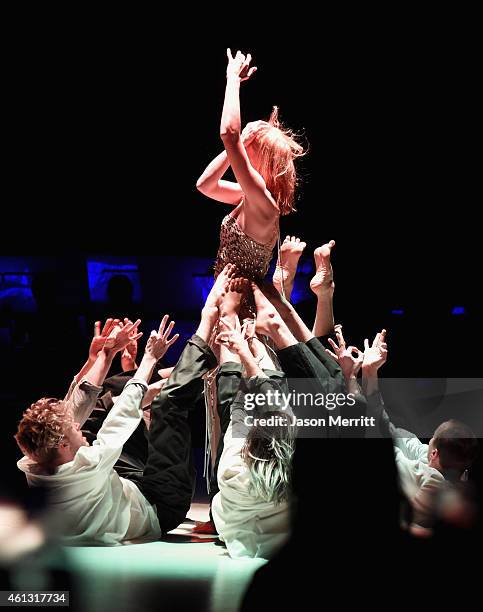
(278, 149)
(42, 428)
(268, 452)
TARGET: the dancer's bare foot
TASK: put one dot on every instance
(290, 252)
(323, 281)
(230, 299)
(219, 286)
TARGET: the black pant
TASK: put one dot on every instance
(168, 476)
(158, 461)
(313, 371)
(310, 361)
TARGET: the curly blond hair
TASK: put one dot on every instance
(278, 148)
(42, 429)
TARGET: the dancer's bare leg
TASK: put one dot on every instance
(290, 252)
(322, 284)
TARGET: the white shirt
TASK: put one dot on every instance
(419, 482)
(94, 504)
(249, 526)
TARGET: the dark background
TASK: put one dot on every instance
(109, 127)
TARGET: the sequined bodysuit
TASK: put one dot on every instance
(251, 257)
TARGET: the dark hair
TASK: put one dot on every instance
(456, 444)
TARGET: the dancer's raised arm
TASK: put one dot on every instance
(250, 180)
(210, 182)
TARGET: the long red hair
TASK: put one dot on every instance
(278, 148)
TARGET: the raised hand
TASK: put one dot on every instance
(100, 337)
(128, 357)
(375, 356)
(239, 66)
(159, 342)
(234, 337)
(348, 357)
(122, 335)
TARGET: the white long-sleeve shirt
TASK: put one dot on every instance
(94, 504)
(249, 526)
(419, 482)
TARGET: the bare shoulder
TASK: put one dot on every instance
(258, 224)
(262, 206)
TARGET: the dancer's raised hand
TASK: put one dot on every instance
(348, 357)
(122, 335)
(234, 337)
(239, 66)
(375, 356)
(159, 342)
(100, 337)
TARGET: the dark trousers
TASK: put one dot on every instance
(168, 476)
(165, 474)
(310, 361)
(313, 371)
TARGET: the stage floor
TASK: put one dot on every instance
(186, 572)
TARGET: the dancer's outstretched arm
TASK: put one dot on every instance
(229, 307)
(234, 339)
(82, 396)
(254, 188)
(349, 358)
(128, 357)
(210, 182)
(322, 284)
(375, 356)
(209, 313)
(96, 345)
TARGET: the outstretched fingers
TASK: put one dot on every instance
(337, 348)
(339, 335)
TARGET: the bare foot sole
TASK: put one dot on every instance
(323, 279)
(290, 252)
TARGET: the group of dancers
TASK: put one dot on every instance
(115, 453)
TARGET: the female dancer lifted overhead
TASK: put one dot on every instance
(262, 159)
